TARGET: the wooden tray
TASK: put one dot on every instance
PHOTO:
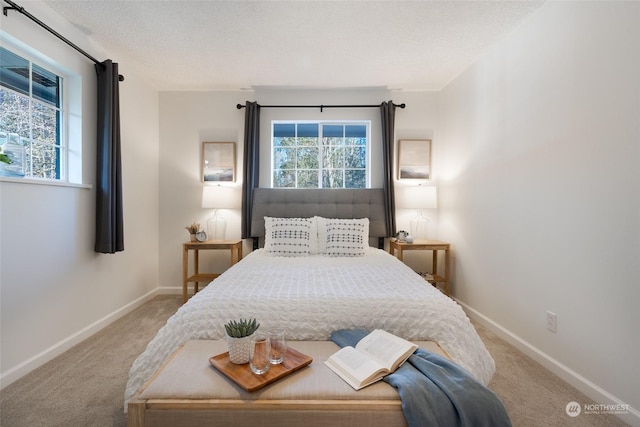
(245, 378)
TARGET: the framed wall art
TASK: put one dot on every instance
(218, 161)
(414, 159)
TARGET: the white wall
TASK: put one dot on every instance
(189, 118)
(55, 290)
(539, 191)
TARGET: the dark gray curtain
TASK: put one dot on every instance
(109, 221)
(388, 113)
(251, 163)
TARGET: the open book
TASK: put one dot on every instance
(376, 355)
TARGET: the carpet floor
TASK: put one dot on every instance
(85, 385)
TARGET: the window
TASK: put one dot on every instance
(31, 119)
(320, 155)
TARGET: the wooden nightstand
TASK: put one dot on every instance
(427, 245)
(235, 246)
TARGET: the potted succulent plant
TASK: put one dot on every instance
(239, 339)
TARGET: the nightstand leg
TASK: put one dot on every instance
(196, 267)
(434, 262)
(236, 253)
(185, 268)
(447, 278)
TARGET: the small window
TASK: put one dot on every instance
(320, 155)
(31, 119)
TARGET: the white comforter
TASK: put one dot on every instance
(311, 297)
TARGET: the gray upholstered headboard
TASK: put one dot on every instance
(328, 203)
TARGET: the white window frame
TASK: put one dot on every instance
(70, 116)
(366, 123)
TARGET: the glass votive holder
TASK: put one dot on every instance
(260, 352)
(278, 346)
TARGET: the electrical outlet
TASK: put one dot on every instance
(552, 322)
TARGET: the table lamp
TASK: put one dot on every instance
(420, 197)
(217, 197)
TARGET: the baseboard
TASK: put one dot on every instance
(165, 290)
(22, 369)
(598, 394)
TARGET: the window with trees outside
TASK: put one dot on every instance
(320, 154)
(31, 115)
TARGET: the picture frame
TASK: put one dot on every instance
(218, 161)
(414, 159)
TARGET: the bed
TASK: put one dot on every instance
(322, 289)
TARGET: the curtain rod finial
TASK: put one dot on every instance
(239, 106)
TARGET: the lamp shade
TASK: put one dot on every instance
(219, 197)
(420, 197)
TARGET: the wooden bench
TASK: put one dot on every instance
(188, 391)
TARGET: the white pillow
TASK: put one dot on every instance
(287, 236)
(347, 237)
(321, 226)
(313, 236)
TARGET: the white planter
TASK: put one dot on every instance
(239, 349)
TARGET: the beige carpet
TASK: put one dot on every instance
(533, 395)
(85, 385)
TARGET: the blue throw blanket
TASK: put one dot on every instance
(436, 392)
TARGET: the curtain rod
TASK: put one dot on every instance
(321, 107)
(22, 10)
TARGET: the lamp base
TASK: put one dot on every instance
(216, 228)
(418, 227)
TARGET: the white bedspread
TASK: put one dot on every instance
(311, 297)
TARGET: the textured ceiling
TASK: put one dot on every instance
(230, 45)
